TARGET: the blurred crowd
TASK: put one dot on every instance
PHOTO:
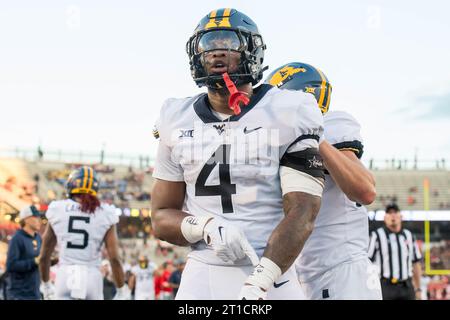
(440, 255)
(410, 198)
(119, 189)
(437, 287)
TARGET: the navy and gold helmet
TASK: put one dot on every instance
(304, 77)
(227, 29)
(82, 180)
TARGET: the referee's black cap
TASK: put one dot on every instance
(392, 206)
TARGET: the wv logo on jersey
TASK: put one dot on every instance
(220, 128)
(279, 78)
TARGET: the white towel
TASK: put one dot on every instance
(77, 276)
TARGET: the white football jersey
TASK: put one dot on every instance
(144, 280)
(80, 235)
(231, 167)
(341, 230)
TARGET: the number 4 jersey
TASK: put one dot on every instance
(80, 235)
(231, 167)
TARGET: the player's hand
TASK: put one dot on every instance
(251, 292)
(48, 290)
(37, 260)
(260, 280)
(228, 241)
(123, 293)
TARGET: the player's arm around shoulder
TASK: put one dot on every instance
(302, 182)
(341, 153)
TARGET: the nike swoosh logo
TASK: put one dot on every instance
(250, 131)
(277, 285)
(220, 233)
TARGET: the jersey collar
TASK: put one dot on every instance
(203, 108)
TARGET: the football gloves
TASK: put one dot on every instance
(48, 290)
(228, 241)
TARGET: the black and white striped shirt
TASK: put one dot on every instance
(394, 253)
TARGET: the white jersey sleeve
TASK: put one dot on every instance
(52, 213)
(343, 132)
(110, 214)
(165, 166)
(303, 152)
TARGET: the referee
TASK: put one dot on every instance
(396, 253)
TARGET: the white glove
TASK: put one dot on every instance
(228, 241)
(262, 278)
(48, 290)
(251, 292)
(123, 293)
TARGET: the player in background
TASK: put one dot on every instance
(334, 263)
(79, 225)
(142, 279)
(241, 188)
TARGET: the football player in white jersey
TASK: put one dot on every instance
(79, 226)
(334, 263)
(142, 279)
(241, 188)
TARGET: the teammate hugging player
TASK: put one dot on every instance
(240, 188)
(334, 263)
(80, 225)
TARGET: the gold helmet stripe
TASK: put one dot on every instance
(85, 175)
(323, 88)
(91, 178)
(328, 98)
(225, 22)
(212, 20)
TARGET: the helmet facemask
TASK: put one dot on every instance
(250, 46)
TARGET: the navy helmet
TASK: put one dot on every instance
(82, 180)
(227, 29)
(304, 77)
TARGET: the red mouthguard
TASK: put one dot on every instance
(236, 97)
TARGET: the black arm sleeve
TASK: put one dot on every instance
(308, 161)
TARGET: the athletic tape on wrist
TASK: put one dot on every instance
(265, 274)
(192, 228)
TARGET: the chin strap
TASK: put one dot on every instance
(236, 97)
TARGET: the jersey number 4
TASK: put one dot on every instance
(225, 188)
(70, 244)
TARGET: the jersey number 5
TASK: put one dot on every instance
(225, 188)
(70, 244)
